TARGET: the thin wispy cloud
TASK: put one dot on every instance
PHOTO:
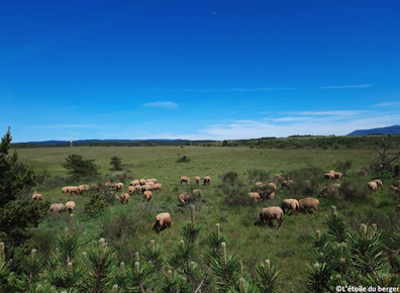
(162, 104)
(328, 113)
(261, 89)
(387, 104)
(288, 119)
(345, 86)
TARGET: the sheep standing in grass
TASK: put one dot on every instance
(154, 180)
(184, 198)
(259, 184)
(118, 186)
(157, 186)
(124, 198)
(373, 186)
(207, 180)
(147, 195)
(37, 196)
(163, 221)
(197, 193)
(307, 203)
(338, 175)
(197, 180)
(185, 179)
(290, 204)
(287, 184)
(131, 190)
(255, 196)
(269, 214)
(57, 207)
(329, 176)
(379, 183)
(142, 182)
(267, 194)
(70, 206)
(272, 186)
(134, 182)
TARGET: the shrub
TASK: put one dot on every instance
(258, 175)
(343, 166)
(306, 181)
(78, 167)
(95, 205)
(353, 190)
(116, 164)
(229, 177)
(183, 159)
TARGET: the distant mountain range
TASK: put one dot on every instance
(119, 142)
(395, 129)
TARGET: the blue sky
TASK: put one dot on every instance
(197, 69)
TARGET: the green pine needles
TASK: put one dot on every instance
(357, 259)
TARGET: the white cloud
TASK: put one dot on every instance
(328, 113)
(162, 104)
(260, 89)
(387, 104)
(345, 86)
(289, 119)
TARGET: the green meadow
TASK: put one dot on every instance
(128, 228)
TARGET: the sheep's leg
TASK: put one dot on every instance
(279, 223)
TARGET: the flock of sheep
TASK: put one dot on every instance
(163, 220)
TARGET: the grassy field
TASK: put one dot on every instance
(128, 228)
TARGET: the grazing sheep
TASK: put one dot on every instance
(147, 188)
(142, 182)
(269, 214)
(197, 192)
(185, 179)
(329, 176)
(379, 182)
(70, 206)
(338, 175)
(83, 188)
(118, 186)
(124, 198)
(131, 190)
(396, 191)
(309, 202)
(329, 189)
(184, 198)
(57, 207)
(154, 180)
(207, 180)
(147, 195)
(290, 204)
(150, 183)
(255, 196)
(373, 186)
(272, 186)
(163, 221)
(287, 184)
(157, 186)
(197, 180)
(134, 182)
(259, 184)
(279, 178)
(331, 171)
(71, 190)
(138, 188)
(267, 194)
(37, 196)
